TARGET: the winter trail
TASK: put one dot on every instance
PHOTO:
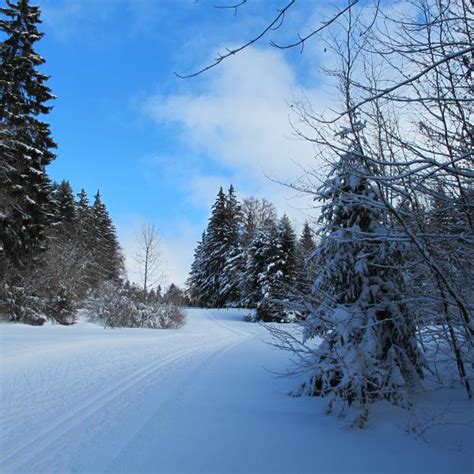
(197, 400)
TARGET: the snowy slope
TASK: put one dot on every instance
(199, 399)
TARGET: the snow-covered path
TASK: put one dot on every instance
(200, 399)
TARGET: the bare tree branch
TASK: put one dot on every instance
(302, 39)
(231, 52)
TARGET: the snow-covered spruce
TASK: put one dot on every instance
(26, 143)
(369, 350)
(214, 279)
(279, 273)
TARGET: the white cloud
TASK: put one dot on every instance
(239, 115)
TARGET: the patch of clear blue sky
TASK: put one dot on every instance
(103, 61)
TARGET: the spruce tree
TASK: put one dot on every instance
(369, 350)
(25, 141)
(230, 288)
(214, 279)
(108, 259)
(233, 258)
(306, 242)
(277, 280)
(85, 242)
(197, 275)
(214, 252)
(84, 222)
(258, 256)
(65, 212)
(287, 251)
(83, 209)
(306, 269)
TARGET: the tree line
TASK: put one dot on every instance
(248, 257)
(53, 248)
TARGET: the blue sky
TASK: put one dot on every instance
(158, 147)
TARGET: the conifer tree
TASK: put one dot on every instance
(306, 242)
(232, 249)
(25, 141)
(369, 350)
(214, 273)
(213, 250)
(230, 288)
(277, 280)
(84, 234)
(287, 250)
(65, 215)
(83, 208)
(108, 259)
(85, 239)
(258, 257)
(197, 275)
(305, 263)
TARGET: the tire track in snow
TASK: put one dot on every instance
(41, 441)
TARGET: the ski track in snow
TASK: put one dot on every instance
(85, 399)
(44, 440)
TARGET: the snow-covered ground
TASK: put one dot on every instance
(200, 399)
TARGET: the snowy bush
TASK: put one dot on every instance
(62, 306)
(22, 304)
(171, 316)
(160, 316)
(113, 306)
(110, 306)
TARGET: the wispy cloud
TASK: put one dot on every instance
(239, 116)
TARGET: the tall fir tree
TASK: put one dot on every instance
(214, 273)
(65, 212)
(287, 251)
(306, 242)
(213, 250)
(83, 208)
(232, 250)
(196, 277)
(26, 143)
(108, 259)
(259, 254)
(306, 267)
(278, 278)
(369, 350)
(85, 237)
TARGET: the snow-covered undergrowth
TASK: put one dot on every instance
(115, 307)
(204, 398)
